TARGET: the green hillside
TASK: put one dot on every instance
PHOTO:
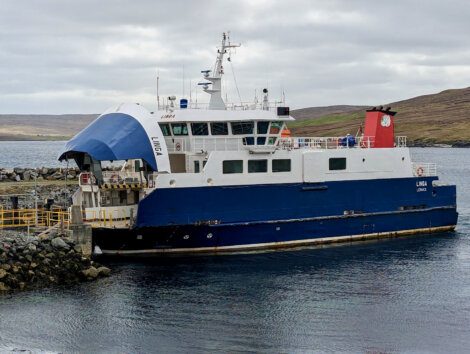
(442, 118)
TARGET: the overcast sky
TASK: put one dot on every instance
(82, 56)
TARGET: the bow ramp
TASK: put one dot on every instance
(121, 133)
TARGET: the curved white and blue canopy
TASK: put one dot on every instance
(125, 132)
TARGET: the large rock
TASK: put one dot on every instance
(90, 273)
(3, 273)
(59, 243)
(27, 175)
(104, 271)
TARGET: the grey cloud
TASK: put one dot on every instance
(62, 56)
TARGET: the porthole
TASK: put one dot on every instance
(186, 237)
(209, 235)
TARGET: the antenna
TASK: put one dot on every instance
(183, 80)
(158, 89)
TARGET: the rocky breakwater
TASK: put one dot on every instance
(28, 262)
(19, 174)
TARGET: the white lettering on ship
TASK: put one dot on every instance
(421, 186)
(157, 147)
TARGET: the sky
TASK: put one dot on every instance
(83, 56)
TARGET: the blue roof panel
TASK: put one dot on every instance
(113, 136)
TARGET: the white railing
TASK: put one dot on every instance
(235, 106)
(198, 144)
(122, 177)
(401, 141)
(421, 169)
(325, 142)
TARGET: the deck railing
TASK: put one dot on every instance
(198, 144)
(122, 177)
(421, 169)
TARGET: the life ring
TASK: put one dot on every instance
(178, 146)
(420, 171)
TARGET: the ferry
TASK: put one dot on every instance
(230, 177)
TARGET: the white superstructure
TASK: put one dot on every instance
(228, 145)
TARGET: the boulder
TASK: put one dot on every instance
(59, 243)
(104, 271)
(57, 175)
(27, 175)
(91, 272)
(3, 273)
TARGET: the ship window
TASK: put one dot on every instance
(255, 166)
(261, 140)
(281, 165)
(275, 127)
(337, 163)
(199, 129)
(272, 141)
(240, 128)
(249, 140)
(196, 167)
(179, 129)
(219, 128)
(233, 166)
(263, 127)
(165, 129)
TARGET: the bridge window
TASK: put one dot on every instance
(256, 166)
(261, 140)
(337, 163)
(199, 129)
(219, 128)
(249, 140)
(263, 127)
(241, 128)
(272, 141)
(165, 129)
(179, 129)
(281, 165)
(275, 127)
(233, 166)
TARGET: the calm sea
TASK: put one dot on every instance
(30, 153)
(402, 295)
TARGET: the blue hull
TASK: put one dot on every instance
(234, 218)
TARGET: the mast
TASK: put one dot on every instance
(158, 89)
(216, 100)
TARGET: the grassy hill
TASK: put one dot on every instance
(442, 118)
(42, 127)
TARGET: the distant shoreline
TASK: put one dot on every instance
(34, 138)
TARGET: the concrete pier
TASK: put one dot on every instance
(81, 232)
